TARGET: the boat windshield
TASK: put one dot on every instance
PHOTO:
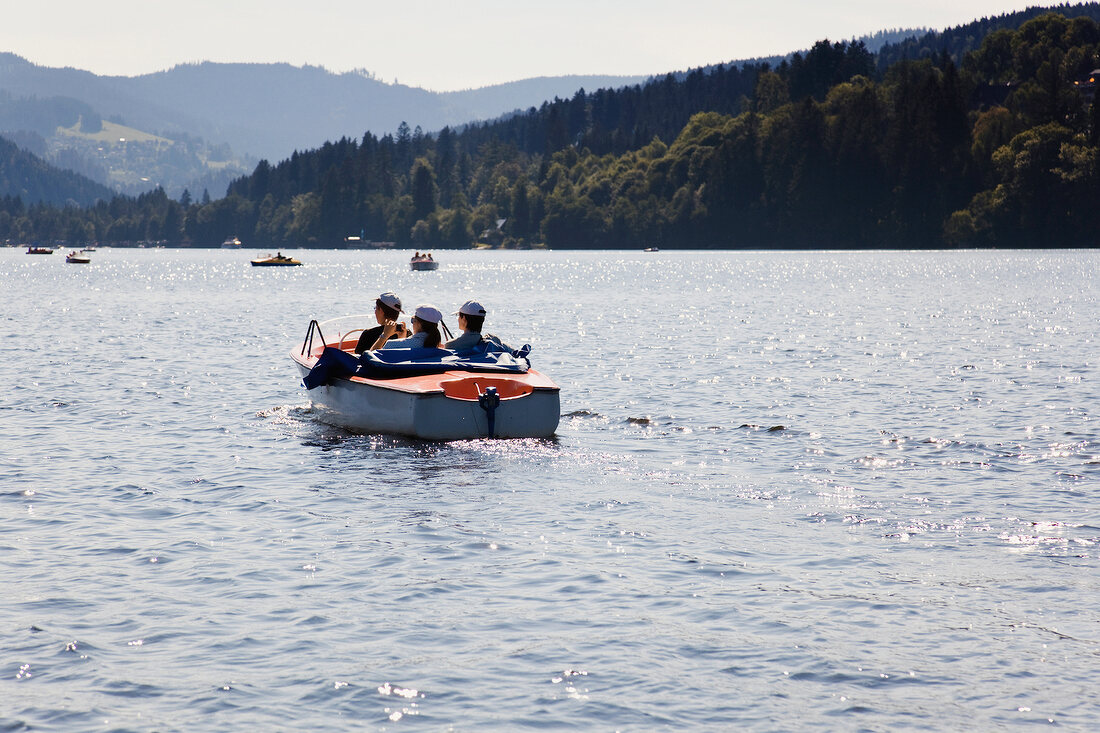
(346, 328)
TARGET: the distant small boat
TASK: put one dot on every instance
(39, 251)
(423, 262)
(277, 261)
(88, 249)
(74, 258)
(651, 249)
(231, 243)
(360, 242)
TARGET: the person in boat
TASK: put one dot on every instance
(471, 318)
(387, 307)
(425, 331)
(335, 362)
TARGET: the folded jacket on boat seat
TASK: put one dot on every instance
(394, 363)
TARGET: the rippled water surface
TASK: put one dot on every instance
(789, 491)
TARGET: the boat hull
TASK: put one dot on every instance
(438, 407)
(268, 263)
(424, 265)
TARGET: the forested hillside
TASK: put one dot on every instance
(994, 143)
(961, 40)
(26, 177)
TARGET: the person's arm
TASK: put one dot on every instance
(389, 328)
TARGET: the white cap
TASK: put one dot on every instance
(471, 308)
(428, 313)
(391, 300)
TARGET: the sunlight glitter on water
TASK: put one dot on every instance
(815, 492)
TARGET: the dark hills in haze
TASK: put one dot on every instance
(984, 134)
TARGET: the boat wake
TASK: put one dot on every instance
(286, 412)
(772, 429)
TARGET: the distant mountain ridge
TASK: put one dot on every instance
(221, 119)
(201, 126)
(270, 110)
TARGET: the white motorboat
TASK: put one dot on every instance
(452, 401)
(423, 262)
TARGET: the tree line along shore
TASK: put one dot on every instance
(994, 145)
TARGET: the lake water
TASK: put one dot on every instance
(789, 491)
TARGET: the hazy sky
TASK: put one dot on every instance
(453, 44)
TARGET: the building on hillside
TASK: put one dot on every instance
(1087, 86)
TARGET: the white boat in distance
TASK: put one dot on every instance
(231, 243)
(423, 262)
(450, 405)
